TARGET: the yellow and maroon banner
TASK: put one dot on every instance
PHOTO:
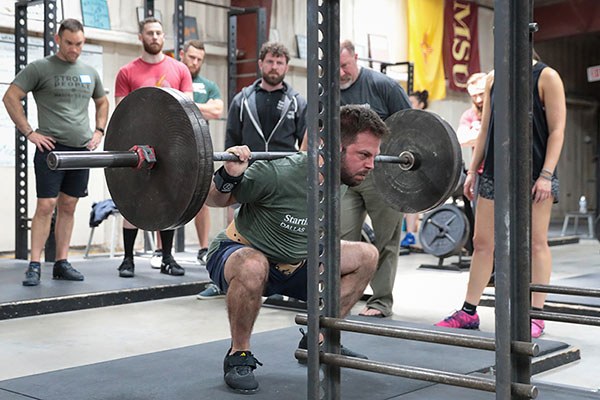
(425, 34)
(461, 47)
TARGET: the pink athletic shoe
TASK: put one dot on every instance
(537, 328)
(460, 319)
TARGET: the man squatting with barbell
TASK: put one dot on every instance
(263, 251)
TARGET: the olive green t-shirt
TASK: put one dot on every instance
(273, 215)
(62, 92)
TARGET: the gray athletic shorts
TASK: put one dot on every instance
(486, 187)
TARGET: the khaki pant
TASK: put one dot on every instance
(356, 204)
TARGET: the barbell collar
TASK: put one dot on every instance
(408, 161)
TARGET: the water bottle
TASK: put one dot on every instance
(582, 205)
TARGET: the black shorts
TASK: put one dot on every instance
(486, 187)
(292, 285)
(49, 183)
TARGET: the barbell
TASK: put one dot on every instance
(161, 135)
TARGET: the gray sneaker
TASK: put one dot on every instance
(127, 268)
(32, 275)
(344, 351)
(64, 270)
(238, 371)
(211, 291)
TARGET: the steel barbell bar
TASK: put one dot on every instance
(419, 169)
(68, 160)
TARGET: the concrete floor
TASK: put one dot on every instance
(38, 344)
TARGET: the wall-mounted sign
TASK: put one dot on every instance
(593, 73)
(95, 14)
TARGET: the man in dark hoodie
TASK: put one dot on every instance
(268, 115)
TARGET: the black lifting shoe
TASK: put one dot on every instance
(344, 351)
(126, 269)
(63, 270)
(170, 267)
(32, 275)
(239, 372)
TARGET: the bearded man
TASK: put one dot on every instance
(268, 115)
(153, 68)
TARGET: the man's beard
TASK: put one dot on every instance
(152, 50)
(345, 178)
(346, 85)
(273, 81)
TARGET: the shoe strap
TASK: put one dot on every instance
(125, 266)
(242, 359)
(64, 264)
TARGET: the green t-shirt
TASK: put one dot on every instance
(204, 90)
(273, 215)
(62, 92)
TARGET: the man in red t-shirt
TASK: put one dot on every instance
(153, 68)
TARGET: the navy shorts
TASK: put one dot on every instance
(49, 183)
(292, 285)
(486, 187)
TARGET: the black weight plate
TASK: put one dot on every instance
(172, 193)
(437, 171)
(444, 231)
(205, 159)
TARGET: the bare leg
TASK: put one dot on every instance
(40, 226)
(202, 223)
(541, 257)
(246, 271)
(357, 265)
(411, 222)
(64, 224)
(482, 261)
(159, 244)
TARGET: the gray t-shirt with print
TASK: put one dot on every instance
(62, 92)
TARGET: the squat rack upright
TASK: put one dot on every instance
(512, 57)
(21, 156)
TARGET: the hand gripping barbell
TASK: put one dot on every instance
(162, 135)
